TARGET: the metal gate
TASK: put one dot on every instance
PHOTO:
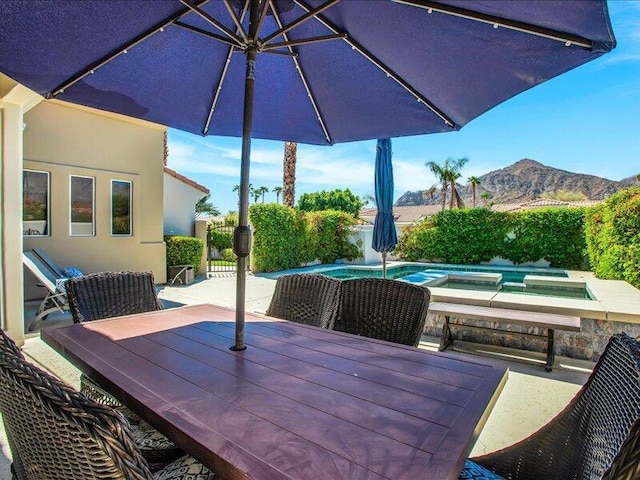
(220, 256)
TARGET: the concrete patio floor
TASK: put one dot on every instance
(530, 398)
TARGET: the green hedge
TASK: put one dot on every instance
(184, 251)
(220, 237)
(477, 235)
(285, 238)
(613, 237)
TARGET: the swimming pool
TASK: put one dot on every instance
(523, 280)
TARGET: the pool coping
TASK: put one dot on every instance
(614, 300)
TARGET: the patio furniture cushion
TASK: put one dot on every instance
(306, 298)
(385, 309)
(473, 471)
(597, 436)
(55, 432)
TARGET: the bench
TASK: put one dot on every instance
(550, 322)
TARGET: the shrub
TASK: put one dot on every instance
(227, 255)
(477, 235)
(342, 200)
(220, 238)
(184, 251)
(613, 237)
(279, 237)
(285, 238)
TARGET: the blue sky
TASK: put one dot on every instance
(585, 121)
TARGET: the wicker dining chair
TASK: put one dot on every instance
(596, 437)
(306, 298)
(55, 432)
(384, 309)
(112, 294)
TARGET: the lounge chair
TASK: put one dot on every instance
(597, 436)
(55, 432)
(384, 309)
(53, 280)
(306, 298)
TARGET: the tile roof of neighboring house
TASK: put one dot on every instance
(186, 180)
(415, 213)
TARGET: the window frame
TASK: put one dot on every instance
(130, 234)
(48, 216)
(93, 206)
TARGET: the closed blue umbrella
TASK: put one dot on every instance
(311, 71)
(384, 230)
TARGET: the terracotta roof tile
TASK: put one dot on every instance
(186, 180)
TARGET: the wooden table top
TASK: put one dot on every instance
(300, 403)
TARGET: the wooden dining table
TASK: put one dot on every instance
(300, 403)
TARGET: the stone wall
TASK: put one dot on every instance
(587, 344)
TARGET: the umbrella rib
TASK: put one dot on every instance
(382, 66)
(304, 41)
(566, 38)
(223, 75)
(303, 77)
(200, 31)
(196, 9)
(239, 27)
(299, 21)
(116, 53)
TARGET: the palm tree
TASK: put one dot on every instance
(447, 174)
(255, 193)
(205, 206)
(262, 190)
(474, 182)
(430, 192)
(367, 199)
(277, 191)
(486, 196)
(440, 173)
(289, 173)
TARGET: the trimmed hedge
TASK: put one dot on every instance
(285, 238)
(613, 237)
(220, 237)
(477, 235)
(184, 251)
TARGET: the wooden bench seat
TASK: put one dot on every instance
(548, 321)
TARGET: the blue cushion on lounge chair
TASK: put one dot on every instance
(473, 471)
(72, 271)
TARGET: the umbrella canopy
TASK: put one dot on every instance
(320, 71)
(384, 230)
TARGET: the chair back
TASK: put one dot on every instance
(607, 434)
(56, 433)
(49, 262)
(389, 310)
(40, 270)
(311, 299)
(111, 294)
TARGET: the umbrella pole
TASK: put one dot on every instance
(384, 264)
(242, 233)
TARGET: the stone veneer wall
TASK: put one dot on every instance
(587, 344)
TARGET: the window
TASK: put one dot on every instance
(82, 195)
(35, 203)
(120, 207)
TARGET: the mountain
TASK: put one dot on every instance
(527, 180)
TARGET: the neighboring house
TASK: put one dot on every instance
(84, 185)
(180, 197)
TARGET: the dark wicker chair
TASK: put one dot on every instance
(112, 294)
(311, 299)
(384, 309)
(597, 436)
(57, 433)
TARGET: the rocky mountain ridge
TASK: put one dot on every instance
(527, 180)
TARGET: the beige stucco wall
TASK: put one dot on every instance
(180, 206)
(67, 140)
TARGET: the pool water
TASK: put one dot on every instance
(435, 275)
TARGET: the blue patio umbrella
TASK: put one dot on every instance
(311, 71)
(384, 229)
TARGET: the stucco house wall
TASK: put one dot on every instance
(68, 140)
(180, 197)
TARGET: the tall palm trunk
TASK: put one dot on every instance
(473, 194)
(289, 173)
(443, 192)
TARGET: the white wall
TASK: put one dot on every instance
(179, 206)
(365, 234)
